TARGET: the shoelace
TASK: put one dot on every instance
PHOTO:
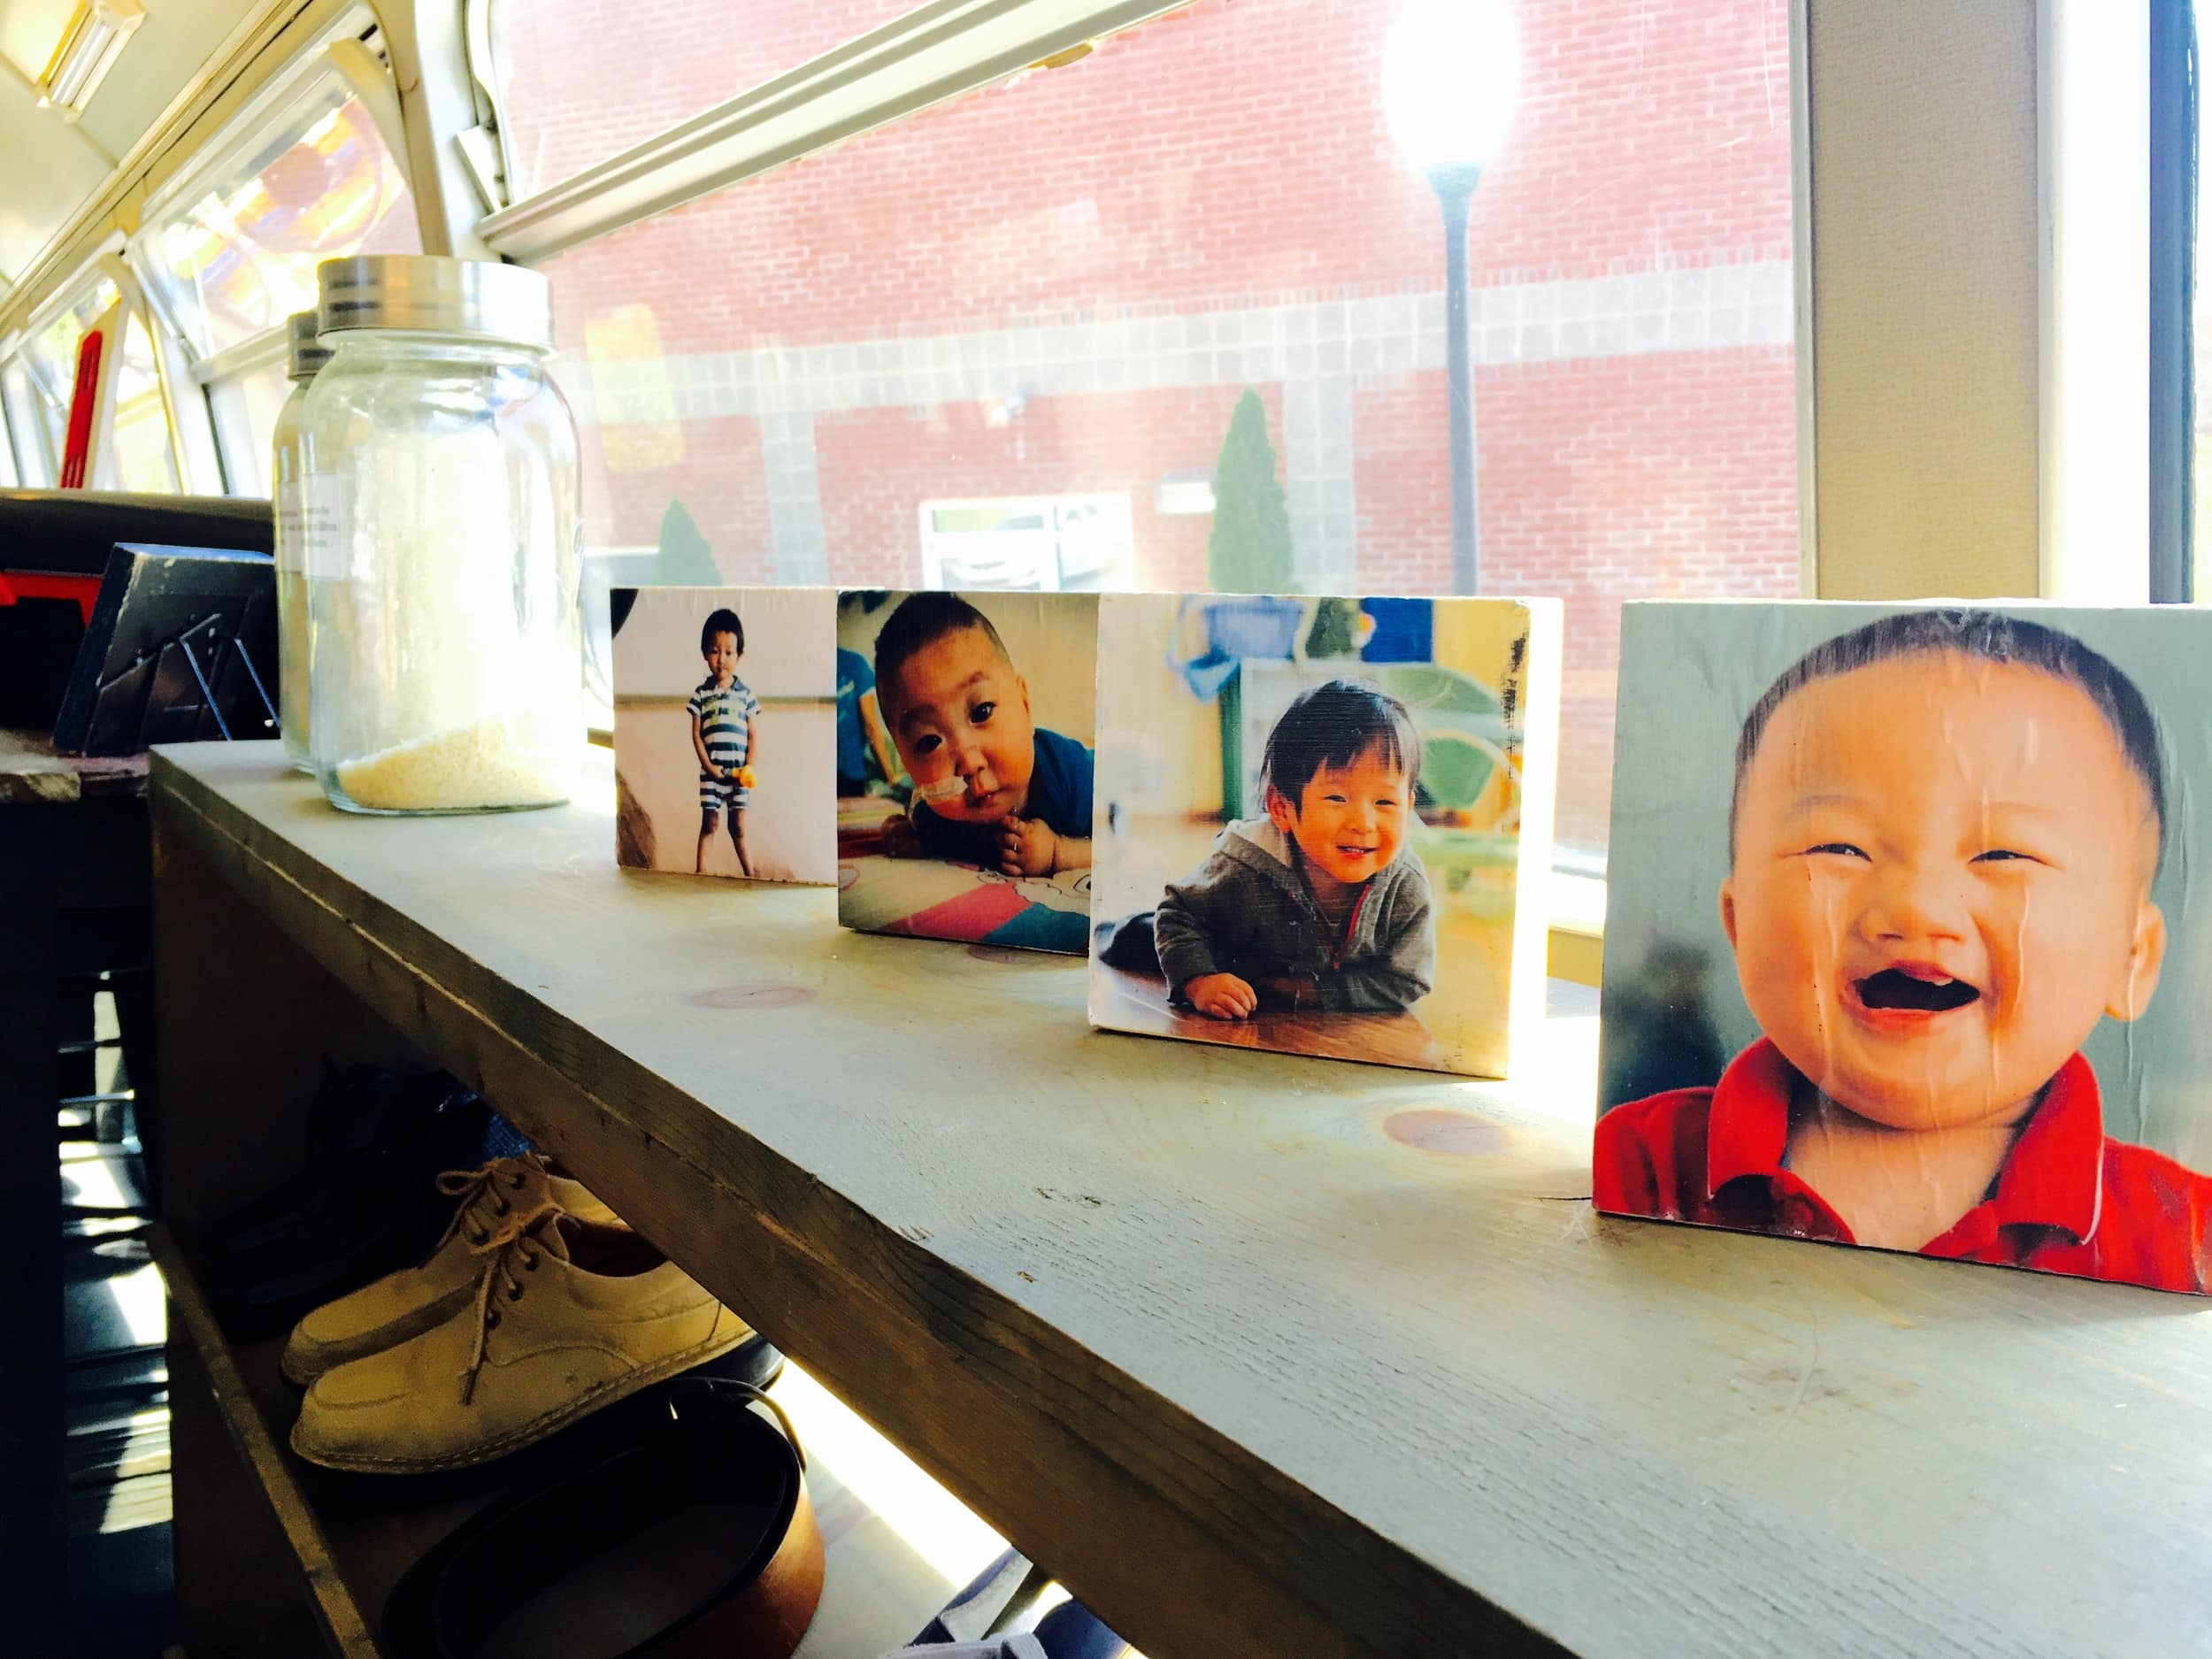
(479, 1188)
(515, 1250)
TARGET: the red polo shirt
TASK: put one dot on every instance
(2068, 1201)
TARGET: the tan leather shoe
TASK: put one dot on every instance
(566, 1318)
(504, 1198)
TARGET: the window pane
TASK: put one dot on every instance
(245, 407)
(1059, 289)
(50, 356)
(144, 458)
(563, 110)
(26, 425)
(240, 255)
(8, 475)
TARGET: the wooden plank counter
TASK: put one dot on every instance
(31, 773)
(1261, 1355)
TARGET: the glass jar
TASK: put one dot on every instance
(442, 537)
(287, 475)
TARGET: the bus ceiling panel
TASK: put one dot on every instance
(176, 40)
(49, 169)
(30, 30)
(56, 166)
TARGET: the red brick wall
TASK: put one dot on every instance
(716, 470)
(1592, 488)
(647, 66)
(1235, 154)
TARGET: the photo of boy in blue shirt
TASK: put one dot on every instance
(991, 787)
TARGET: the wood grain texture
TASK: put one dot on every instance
(1252, 1371)
(343, 1622)
(32, 774)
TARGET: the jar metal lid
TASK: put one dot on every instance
(308, 354)
(432, 294)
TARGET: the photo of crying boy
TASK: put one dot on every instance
(1943, 834)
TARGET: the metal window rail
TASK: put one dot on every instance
(936, 52)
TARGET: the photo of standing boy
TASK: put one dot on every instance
(687, 751)
(724, 719)
(1944, 832)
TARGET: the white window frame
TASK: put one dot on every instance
(11, 470)
(2093, 239)
(192, 458)
(245, 465)
(65, 295)
(35, 463)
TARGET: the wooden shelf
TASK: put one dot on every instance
(352, 1537)
(1260, 1355)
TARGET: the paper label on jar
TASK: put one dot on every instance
(322, 519)
(290, 518)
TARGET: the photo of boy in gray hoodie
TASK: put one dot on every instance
(1319, 905)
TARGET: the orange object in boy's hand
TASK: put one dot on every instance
(744, 777)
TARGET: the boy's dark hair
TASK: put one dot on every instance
(1986, 636)
(922, 620)
(722, 621)
(1333, 724)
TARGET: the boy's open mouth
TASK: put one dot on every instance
(1919, 991)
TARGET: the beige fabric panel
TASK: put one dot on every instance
(1924, 196)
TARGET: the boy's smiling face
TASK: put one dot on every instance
(1349, 821)
(960, 716)
(722, 657)
(1941, 881)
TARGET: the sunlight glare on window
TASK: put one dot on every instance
(1056, 290)
(239, 255)
(564, 107)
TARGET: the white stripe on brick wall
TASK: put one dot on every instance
(1320, 349)
(1709, 307)
(794, 498)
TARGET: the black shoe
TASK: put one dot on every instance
(365, 1202)
(679, 1528)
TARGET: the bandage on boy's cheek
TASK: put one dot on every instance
(944, 789)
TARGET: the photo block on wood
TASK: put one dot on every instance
(1900, 949)
(728, 727)
(964, 809)
(1325, 825)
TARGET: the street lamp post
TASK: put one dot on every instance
(1451, 72)
(1455, 183)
